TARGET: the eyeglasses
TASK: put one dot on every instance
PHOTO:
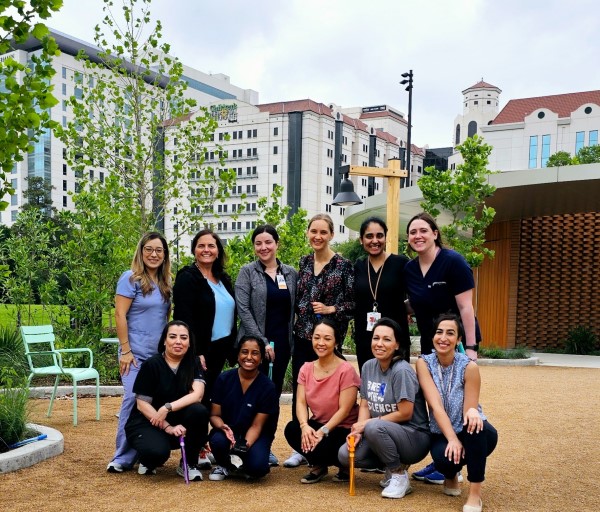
(149, 250)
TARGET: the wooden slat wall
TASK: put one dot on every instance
(559, 269)
(493, 288)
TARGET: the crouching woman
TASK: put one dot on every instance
(168, 391)
(244, 411)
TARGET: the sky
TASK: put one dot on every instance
(353, 52)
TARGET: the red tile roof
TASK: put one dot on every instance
(515, 111)
(355, 123)
(284, 107)
(384, 113)
(482, 85)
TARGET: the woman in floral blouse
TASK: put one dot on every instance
(325, 289)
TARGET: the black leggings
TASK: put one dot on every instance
(154, 445)
(326, 452)
(477, 447)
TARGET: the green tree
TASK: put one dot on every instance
(25, 90)
(38, 196)
(132, 118)
(589, 155)
(462, 193)
(35, 264)
(292, 234)
(559, 159)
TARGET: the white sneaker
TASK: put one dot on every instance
(385, 481)
(143, 470)
(194, 474)
(460, 477)
(115, 467)
(203, 460)
(398, 487)
(218, 473)
(295, 460)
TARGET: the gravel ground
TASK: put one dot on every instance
(546, 460)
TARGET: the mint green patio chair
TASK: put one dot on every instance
(45, 360)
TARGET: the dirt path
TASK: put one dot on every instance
(548, 459)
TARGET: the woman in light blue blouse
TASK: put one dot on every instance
(142, 305)
(461, 434)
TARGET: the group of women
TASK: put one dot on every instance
(174, 385)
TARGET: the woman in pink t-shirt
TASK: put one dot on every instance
(328, 387)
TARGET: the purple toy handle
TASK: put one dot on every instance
(185, 466)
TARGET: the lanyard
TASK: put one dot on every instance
(374, 293)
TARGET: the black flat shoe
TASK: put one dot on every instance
(313, 478)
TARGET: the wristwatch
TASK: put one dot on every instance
(169, 407)
(325, 430)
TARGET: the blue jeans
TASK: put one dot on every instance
(477, 447)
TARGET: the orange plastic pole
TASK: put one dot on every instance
(351, 457)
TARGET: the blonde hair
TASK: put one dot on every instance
(140, 272)
(322, 216)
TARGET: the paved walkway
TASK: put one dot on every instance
(567, 360)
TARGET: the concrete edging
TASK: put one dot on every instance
(35, 452)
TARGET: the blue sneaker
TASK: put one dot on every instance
(421, 474)
(435, 477)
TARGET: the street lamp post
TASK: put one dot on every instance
(393, 174)
(408, 79)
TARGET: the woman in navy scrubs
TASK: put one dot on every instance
(439, 280)
(243, 415)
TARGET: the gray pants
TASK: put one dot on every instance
(387, 444)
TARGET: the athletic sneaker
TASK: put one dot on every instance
(341, 476)
(398, 487)
(421, 474)
(143, 470)
(115, 467)
(273, 462)
(218, 473)
(385, 481)
(203, 460)
(295, 460)
(194, 473)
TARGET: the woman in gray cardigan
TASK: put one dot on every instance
(265, 292)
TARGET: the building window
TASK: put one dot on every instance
(254, 152)
(13, 215)
(594, 138)
(64, 201)
(254, 170)
(457, 136)
(101, 177)
(342, 229)
(276, 130)
(14, 200)
(328, 208)
(64, 185)
(545, 149)
(579, 141)
(64, 72)
(64, 121)
(472, 129)
(64, 169)
(275, 150)
(533, 151)
(328, 189)
(275, 169)
(249, 152)
(255, 133)
(476, 102)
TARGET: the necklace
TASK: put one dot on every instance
(206, 276)
(322, 368)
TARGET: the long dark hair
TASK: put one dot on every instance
(337, 350)
(399, 354)
(372, 220)
(185, 372)
(218, 266)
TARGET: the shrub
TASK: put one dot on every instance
(14, 395)
(581, 340)
(499, 353)
(12, 352)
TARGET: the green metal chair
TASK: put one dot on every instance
(45, 360)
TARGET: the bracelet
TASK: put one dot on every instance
(165, 429)
(125, 353)
(302, 425)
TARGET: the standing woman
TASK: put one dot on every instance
(461, 434)
(379, 290)
(204, 299)
(265, 291)
(142, 305)
(325, 290)
(439, 280)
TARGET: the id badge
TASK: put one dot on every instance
(281, 282)
(372, 318)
